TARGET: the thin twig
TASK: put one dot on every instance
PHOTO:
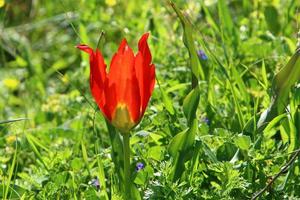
(283, 170)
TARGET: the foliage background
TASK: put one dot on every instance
(64, 143)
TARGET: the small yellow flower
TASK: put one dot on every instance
(11, 83)
(65, 79)
(110, 2)
(10, 139)
(2, 3)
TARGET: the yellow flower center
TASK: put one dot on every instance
(121, 119)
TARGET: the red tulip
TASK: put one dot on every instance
(123, 93)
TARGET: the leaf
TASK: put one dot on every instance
(15, 191)
(180, 148)
(77, 164)
(143, 175)
(240, 83)
(242, 141)
(156, 153)
(85, 155)
(32, 141)
(272, 19)
(209, 18)
(224, 16)
(274, 122)
(210, 154)
(117, 150)
(281, 85)
(10, 174)
(287, 76)
(190, 104)
(176, 143)
(156, 138)
(167, 102)
(292, 137)
(188, 40)
(226, 151)
(264, 74)
(101, 173)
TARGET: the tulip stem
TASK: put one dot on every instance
(126, 149)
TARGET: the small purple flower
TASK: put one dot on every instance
(95, 182)
(202, 55)
(139, 166)
(206, 120)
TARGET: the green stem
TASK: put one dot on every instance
(126, 149)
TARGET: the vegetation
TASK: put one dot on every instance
(223, 121)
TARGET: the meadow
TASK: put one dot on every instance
(222, 122)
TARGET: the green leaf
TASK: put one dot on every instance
(117, 150)
(143, 175)
(281, 85)
(227, 28)
(226, 151)
(224, 16)
(180, 148)
(101, 172)
(190, 104)
(209, 18)
(209, 152)
(292, 137)
(10, 174)
(242, 141)
(156, 153)
(15, 191)
(77, 164)
(167, 102)
(32, 142)
(274, 122)
(240, 83)
(272, 19)
(176, 143)
(85, 155)
(188, 40)
(264, 74)
(287, 76)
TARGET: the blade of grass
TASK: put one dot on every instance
(12, 120)
(35, 150)
(101, 173)
(11, 170)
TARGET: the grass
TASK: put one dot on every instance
(198, 139)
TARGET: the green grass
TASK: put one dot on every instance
(200, 137)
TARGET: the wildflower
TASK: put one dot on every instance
(11, 83)
(95, 182)
(2, 3)
(202, 55)
(139, 166)
(206, 120)
(122, 94)
(111, 2)
(11, 138)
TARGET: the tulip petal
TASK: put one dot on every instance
(85, 48)
(110, 100)
(97, 76)
(122, 75)
(145, 72)
(144, 49)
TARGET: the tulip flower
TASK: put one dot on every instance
(122, 92)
